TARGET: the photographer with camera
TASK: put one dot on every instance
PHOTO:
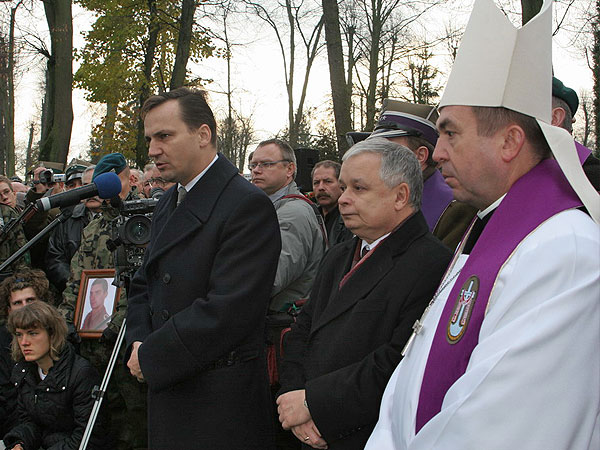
(66, 237)
(8, 212)
(125, 398)
(45, 183)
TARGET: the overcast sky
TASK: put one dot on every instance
(257, 77)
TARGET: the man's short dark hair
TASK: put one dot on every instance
(328, 164)
(102, 282)
(23, 279)
(193, 105)
(492, 119)
(287, 152)
(4, 179)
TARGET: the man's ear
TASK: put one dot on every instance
(204, 135)
(513, 138)
(558, 116)
(422, 153)
(291, 168)
(402, 196)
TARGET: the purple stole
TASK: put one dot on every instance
(582, 152)
(538, 195)
(437, 195)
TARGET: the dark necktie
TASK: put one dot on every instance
(181, 193)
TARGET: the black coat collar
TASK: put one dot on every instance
(372, 271)
(177, 223)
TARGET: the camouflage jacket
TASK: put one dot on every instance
(93, 254)
(15, 239)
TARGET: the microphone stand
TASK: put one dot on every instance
(63, 216)
(98, 393)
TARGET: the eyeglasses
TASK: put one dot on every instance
(158, 181)
(266, 164)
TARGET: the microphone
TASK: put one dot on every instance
(106, 185)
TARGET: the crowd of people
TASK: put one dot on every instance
(440, 291)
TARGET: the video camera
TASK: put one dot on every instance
(48, 177)
(132, 235)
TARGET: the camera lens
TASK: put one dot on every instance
(137, 230)
(46, 177)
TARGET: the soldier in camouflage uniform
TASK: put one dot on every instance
(125, 397)
(14, 241)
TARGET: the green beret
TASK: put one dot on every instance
(113, 162)
(565, 93)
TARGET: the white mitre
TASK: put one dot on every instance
(500, 65)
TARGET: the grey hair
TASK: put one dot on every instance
(398, 165)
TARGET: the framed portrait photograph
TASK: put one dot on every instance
(96, 302)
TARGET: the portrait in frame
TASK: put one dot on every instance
(96, 302)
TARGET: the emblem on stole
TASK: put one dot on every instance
(461, 313)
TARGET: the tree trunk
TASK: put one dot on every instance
(29, 154)
(188, 7)
(9, 170)
(373, 63)
(59, 121)
(141, 150)
(340, 92)
(293, 130)
(108, 132)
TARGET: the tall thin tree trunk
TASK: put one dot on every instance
(184, 39)
(141, 151)
(29, 153)
(293, 130)
(340, 89)
(55, 143)
(9, 170)
(373, 64)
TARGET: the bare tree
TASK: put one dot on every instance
(583, 129)
(58, 106)
(341, 87)
(382, 38)
(295, 17)
(184, 39)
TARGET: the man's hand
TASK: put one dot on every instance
(134, 362)
(40, 188)
(291, 409)
(17, 447)
(309, 430)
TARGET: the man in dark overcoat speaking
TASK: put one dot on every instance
(195, 320)
(368, 293)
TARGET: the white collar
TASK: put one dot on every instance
(188, 187)
(489, 209)
(373, 244)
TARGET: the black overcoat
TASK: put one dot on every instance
(347, 342)
(198, 305)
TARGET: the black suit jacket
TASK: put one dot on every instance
(201, 294)
(347, 342)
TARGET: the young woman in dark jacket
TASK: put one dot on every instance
(54, 384)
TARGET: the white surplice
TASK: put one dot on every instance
(533, 380)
